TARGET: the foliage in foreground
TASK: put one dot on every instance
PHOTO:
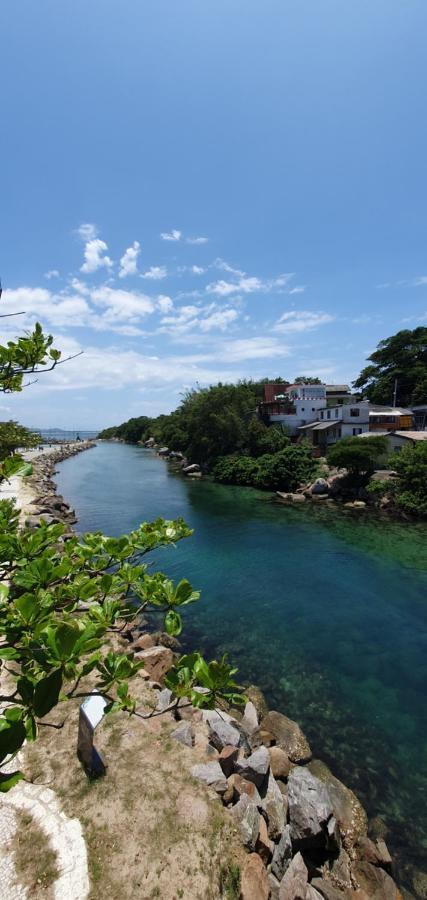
(58, 602)
(61, 596)
(286, 470)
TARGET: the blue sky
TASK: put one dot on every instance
(195, 190)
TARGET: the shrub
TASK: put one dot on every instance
(358, 455)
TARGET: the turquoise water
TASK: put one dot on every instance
(326, 611)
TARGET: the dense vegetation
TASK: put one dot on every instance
(411, 489)
(285, 470)
(59, 600)
(401, 358)
(208, 424)
(358, 455)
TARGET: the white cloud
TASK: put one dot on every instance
(155, 273)
(173, 235)
(94, 258)
(197, 240)
(299, 289)
(302, 321)
(87, 231)
(129, 260)
(197, 270)
(40, 303)
(246, 284)
(252, 348)
(121, 305)
(421, 280)
(203, 318)
(219, 319)
(164, 303)
(52, 273)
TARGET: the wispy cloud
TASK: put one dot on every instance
(87, 231)
(421, 280)
(52, 273)
(197, 240)
(129, 260)
(94, 256)
(303, 320)
(173, 235)
(155, 273)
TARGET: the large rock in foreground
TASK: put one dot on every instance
(310, 808)
(348, 811)
(254, 883)
(295, 880)
(288, 736)
(157, 661)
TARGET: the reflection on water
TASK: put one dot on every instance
(325, 611)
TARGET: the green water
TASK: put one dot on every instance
(325, 611)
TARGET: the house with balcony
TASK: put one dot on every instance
(292, 405)
(383, 419)
(336, 422)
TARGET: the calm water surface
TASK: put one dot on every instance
(325, 611)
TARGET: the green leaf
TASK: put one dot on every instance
(8, 781)
(47, 692)
(173, 623)
(12, 736)
(9, 653)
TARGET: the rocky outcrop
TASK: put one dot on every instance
(306, 832)
(288, 736)
(157, 661)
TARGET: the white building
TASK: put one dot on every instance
(336, 422)
(301, 405)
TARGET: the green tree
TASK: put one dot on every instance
(401, 358)
(265, 439)
(411, 490)
(15, 437)
(307, 379)
(358, 455)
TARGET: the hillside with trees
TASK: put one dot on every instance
(401, 361)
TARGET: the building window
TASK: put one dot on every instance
(354, 412)
(302, 409)
(321, 415)
(356, 431)
(328, 414)
(313, 409)
(339, 432)
(336, 414)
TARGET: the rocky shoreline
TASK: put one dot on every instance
(45, 503)
(305, 832)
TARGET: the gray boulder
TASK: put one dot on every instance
(184, 734)
(288, 736)
(255, 767)
(247, 819)
(320, 486)
(282, 855)
(310, 808)
(347, 809)
(329, 891)
(293, 885)
(212, 774)
(274, 808)
(189, 470)
(250, 718)
(223, 734)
